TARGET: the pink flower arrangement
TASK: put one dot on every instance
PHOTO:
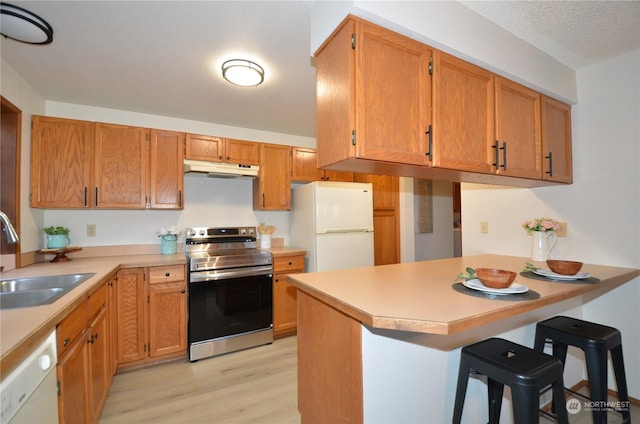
(541, 224)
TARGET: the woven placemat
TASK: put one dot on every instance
(528, 295)
(534, 276)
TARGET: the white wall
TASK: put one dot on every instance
(601, 207)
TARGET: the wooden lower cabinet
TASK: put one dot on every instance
(83, 371)
(151, 313)
(285, 295)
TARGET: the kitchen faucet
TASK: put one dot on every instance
(9, 231)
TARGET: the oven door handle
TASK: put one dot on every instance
(225, 274)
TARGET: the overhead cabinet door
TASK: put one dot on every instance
(462, 115)
(393, 91)
(121, 166)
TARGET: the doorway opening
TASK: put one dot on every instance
(10, 136)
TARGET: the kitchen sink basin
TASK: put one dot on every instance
(34, 291)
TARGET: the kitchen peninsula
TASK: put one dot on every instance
(382, 344)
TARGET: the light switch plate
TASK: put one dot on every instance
(91, 230)
(562, 232)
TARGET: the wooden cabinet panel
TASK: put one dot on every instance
(285, 295)
(556, 141)
(72, 382)
(121, 166)
(304, 168)
(61, 162)
(99, 377)
(242, 152)
(373, 97)
(304, 165)
(463, 126)
(517, 120)
(167, 318)
(272, 188)
(386, 237)
(220, 149)
(166, 170)
(131, 312)
(152, 317)
(204, 147)
(393, 96)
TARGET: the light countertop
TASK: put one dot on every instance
(419, 296)
(22, 329)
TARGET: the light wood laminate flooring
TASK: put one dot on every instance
(257, 385)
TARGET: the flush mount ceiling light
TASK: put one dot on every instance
(244, 73)
(21, 25)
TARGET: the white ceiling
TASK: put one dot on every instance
(164, 57)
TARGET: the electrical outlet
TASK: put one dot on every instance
(562, 232)
(484, 227)
(91, 230)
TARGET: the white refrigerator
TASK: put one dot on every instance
(333, 222)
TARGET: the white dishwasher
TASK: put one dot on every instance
(29, 394)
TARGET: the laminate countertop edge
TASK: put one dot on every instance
(373, 297)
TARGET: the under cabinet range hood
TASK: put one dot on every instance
(219, 169)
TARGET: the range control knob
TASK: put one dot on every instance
(243, 231)
(250, 231)
(202, 232)
(190, 232)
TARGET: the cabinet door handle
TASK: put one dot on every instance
(228, 158)
(429, 153)
(550, 157)
(220, 157)
(168, 274)
(180, 198)
(497, 153)
(66, 341)
(182, 291)
(96, 196)
(85, 196)
(504, 155)
(91, 340)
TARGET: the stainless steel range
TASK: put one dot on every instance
(230, 291)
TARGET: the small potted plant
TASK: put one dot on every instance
(57, 237)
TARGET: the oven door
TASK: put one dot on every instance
(227, 303)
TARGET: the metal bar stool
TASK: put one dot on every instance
(596, 341)
(525, 370)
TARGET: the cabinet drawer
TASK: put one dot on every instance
(288, 263)
(97, 300)
(71, 327)
(166, 274)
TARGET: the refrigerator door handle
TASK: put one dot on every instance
(344, 230)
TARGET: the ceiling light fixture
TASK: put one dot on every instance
(244, 73)
(21, 25)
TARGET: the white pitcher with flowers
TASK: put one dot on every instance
(543, 231)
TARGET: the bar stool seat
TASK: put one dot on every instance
(524, 370)
(596, 341)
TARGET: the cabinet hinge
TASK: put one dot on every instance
(58, 387)
(148, 137)
(353, 41)
(353, 137)
(431, 66)
(148, 298)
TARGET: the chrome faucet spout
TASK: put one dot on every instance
(9, 231)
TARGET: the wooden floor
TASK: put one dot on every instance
(257, 385)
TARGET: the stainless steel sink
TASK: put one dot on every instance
(35, 291)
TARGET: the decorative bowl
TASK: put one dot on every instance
(564, 267)
(495, 278)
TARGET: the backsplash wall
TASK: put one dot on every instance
(208, 202)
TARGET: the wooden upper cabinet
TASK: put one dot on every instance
(517, 119)
(204, 147)
(463, 127)
(219, 149)
(272, 188)
(166, 181)
(242, 152)
(304, 167)
(373, 96)
(61, 162)
(556, 141)
(121, 166)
